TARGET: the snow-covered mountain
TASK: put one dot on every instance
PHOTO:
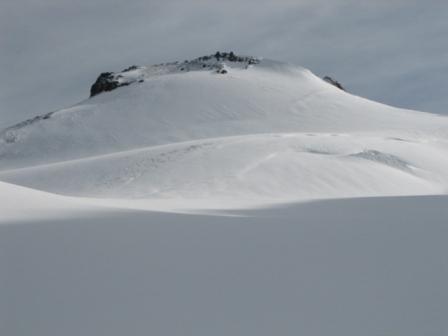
(94, 239)
(225, 126)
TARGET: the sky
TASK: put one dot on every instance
(51, 51)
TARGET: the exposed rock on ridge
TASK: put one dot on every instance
(334, 82)
(108, 81)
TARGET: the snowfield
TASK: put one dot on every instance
(374, 266)
(268, 131)
(273, 167)
(217, 197)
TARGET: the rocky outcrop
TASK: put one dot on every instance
(105, 82)
(109, 81)
(220, 62)
(231, 57)
(333, 82)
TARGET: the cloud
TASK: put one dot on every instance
(392, 51)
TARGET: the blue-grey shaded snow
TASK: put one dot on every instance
(366, 267)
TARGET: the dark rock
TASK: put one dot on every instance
(232, 57)
(330, 80)
(105, 82)
(132, 67)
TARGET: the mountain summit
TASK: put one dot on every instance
(108, 81)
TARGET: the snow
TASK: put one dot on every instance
(261, 201)
(261, 167)
(269, 97)
(20, 204)
(374, 266)
(264, 132)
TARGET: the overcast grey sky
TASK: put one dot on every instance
(391, 51)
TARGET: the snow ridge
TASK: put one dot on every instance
(219, 63)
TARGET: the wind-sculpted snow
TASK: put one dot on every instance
(265, 167)
(384, 158)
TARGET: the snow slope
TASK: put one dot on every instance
(350, 267)
(20, 204)
(274, 167)
(264, 132)
(173, 107)
(160, 240)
